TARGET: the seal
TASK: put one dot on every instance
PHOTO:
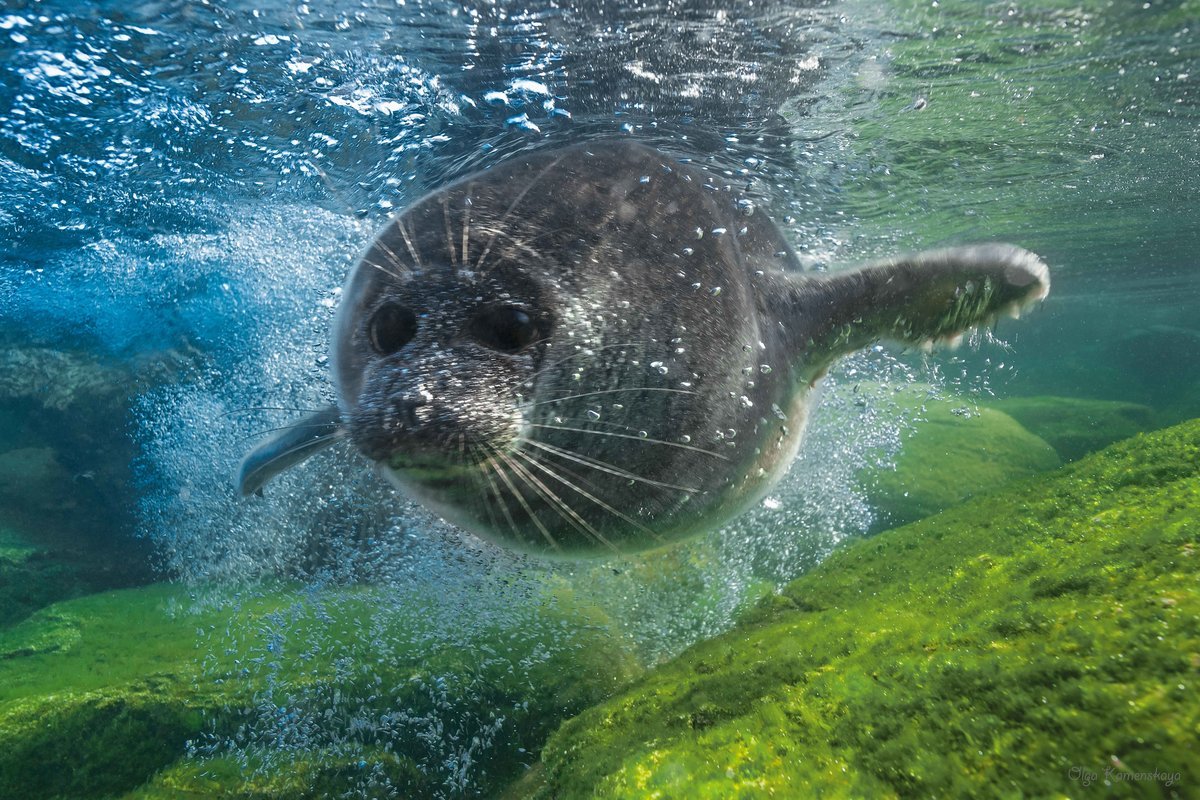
(601, 348)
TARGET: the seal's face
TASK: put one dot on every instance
(432, 364)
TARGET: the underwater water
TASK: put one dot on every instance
(186, 185)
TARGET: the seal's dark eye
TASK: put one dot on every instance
(392, 326)
(504, 328)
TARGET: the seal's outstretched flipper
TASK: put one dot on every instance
(288, 447)
(930, 297)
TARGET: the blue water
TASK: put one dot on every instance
(186, 184)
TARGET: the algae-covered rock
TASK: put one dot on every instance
(952, 450)
(1010, 647)
(33, 574)
(306, 694)
(65, 475)
(1076, 426)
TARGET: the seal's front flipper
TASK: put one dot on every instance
(921, 299)
(288, 447)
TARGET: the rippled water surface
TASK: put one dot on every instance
(185, 186)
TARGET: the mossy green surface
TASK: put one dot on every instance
(1076, 426)
(953, 450)
(29, 578)
(1006, 648)
(99, 696)
(309, 776)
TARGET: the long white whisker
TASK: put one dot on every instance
(466, 230)
(485, 464)
(389, 252)
(390, 273)
(612, 391)
(449, 231)
(585, 352)
(496, 454)
(532, 181)
(252, 409)
(521, 244)
(631, 436)
(603, 466)
(620, 515)
(412, 251)
(557, 503)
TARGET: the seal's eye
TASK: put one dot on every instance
(392, 326)
(504, 328)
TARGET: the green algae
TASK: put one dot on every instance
(951, 451)
(312, 776)
(100, 696)
(1076, 426)
(1004, 648)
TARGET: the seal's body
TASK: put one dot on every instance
(600, 348)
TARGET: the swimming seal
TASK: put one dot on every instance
(600, 349)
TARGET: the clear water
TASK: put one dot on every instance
(186, 184)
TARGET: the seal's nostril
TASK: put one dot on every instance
(406, 408)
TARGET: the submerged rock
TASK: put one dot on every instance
(1010, 647)
(285, 693)
(952, 450)
(66, 475)
(1076, 426)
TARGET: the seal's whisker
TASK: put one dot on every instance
(584, 352)
(316, 443)
(254, 409)
(645, 439)
(449, 232)
(466, 233)
(612, 391)
(292, 427)
(513, 207)
(412, 250)
(522, 244)
(497, 455)
(390, 273)
(485, 462)
(557, 503)
(602, 466)
(337, 194)
(544, 467)
(512, 525)
(390, 253)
